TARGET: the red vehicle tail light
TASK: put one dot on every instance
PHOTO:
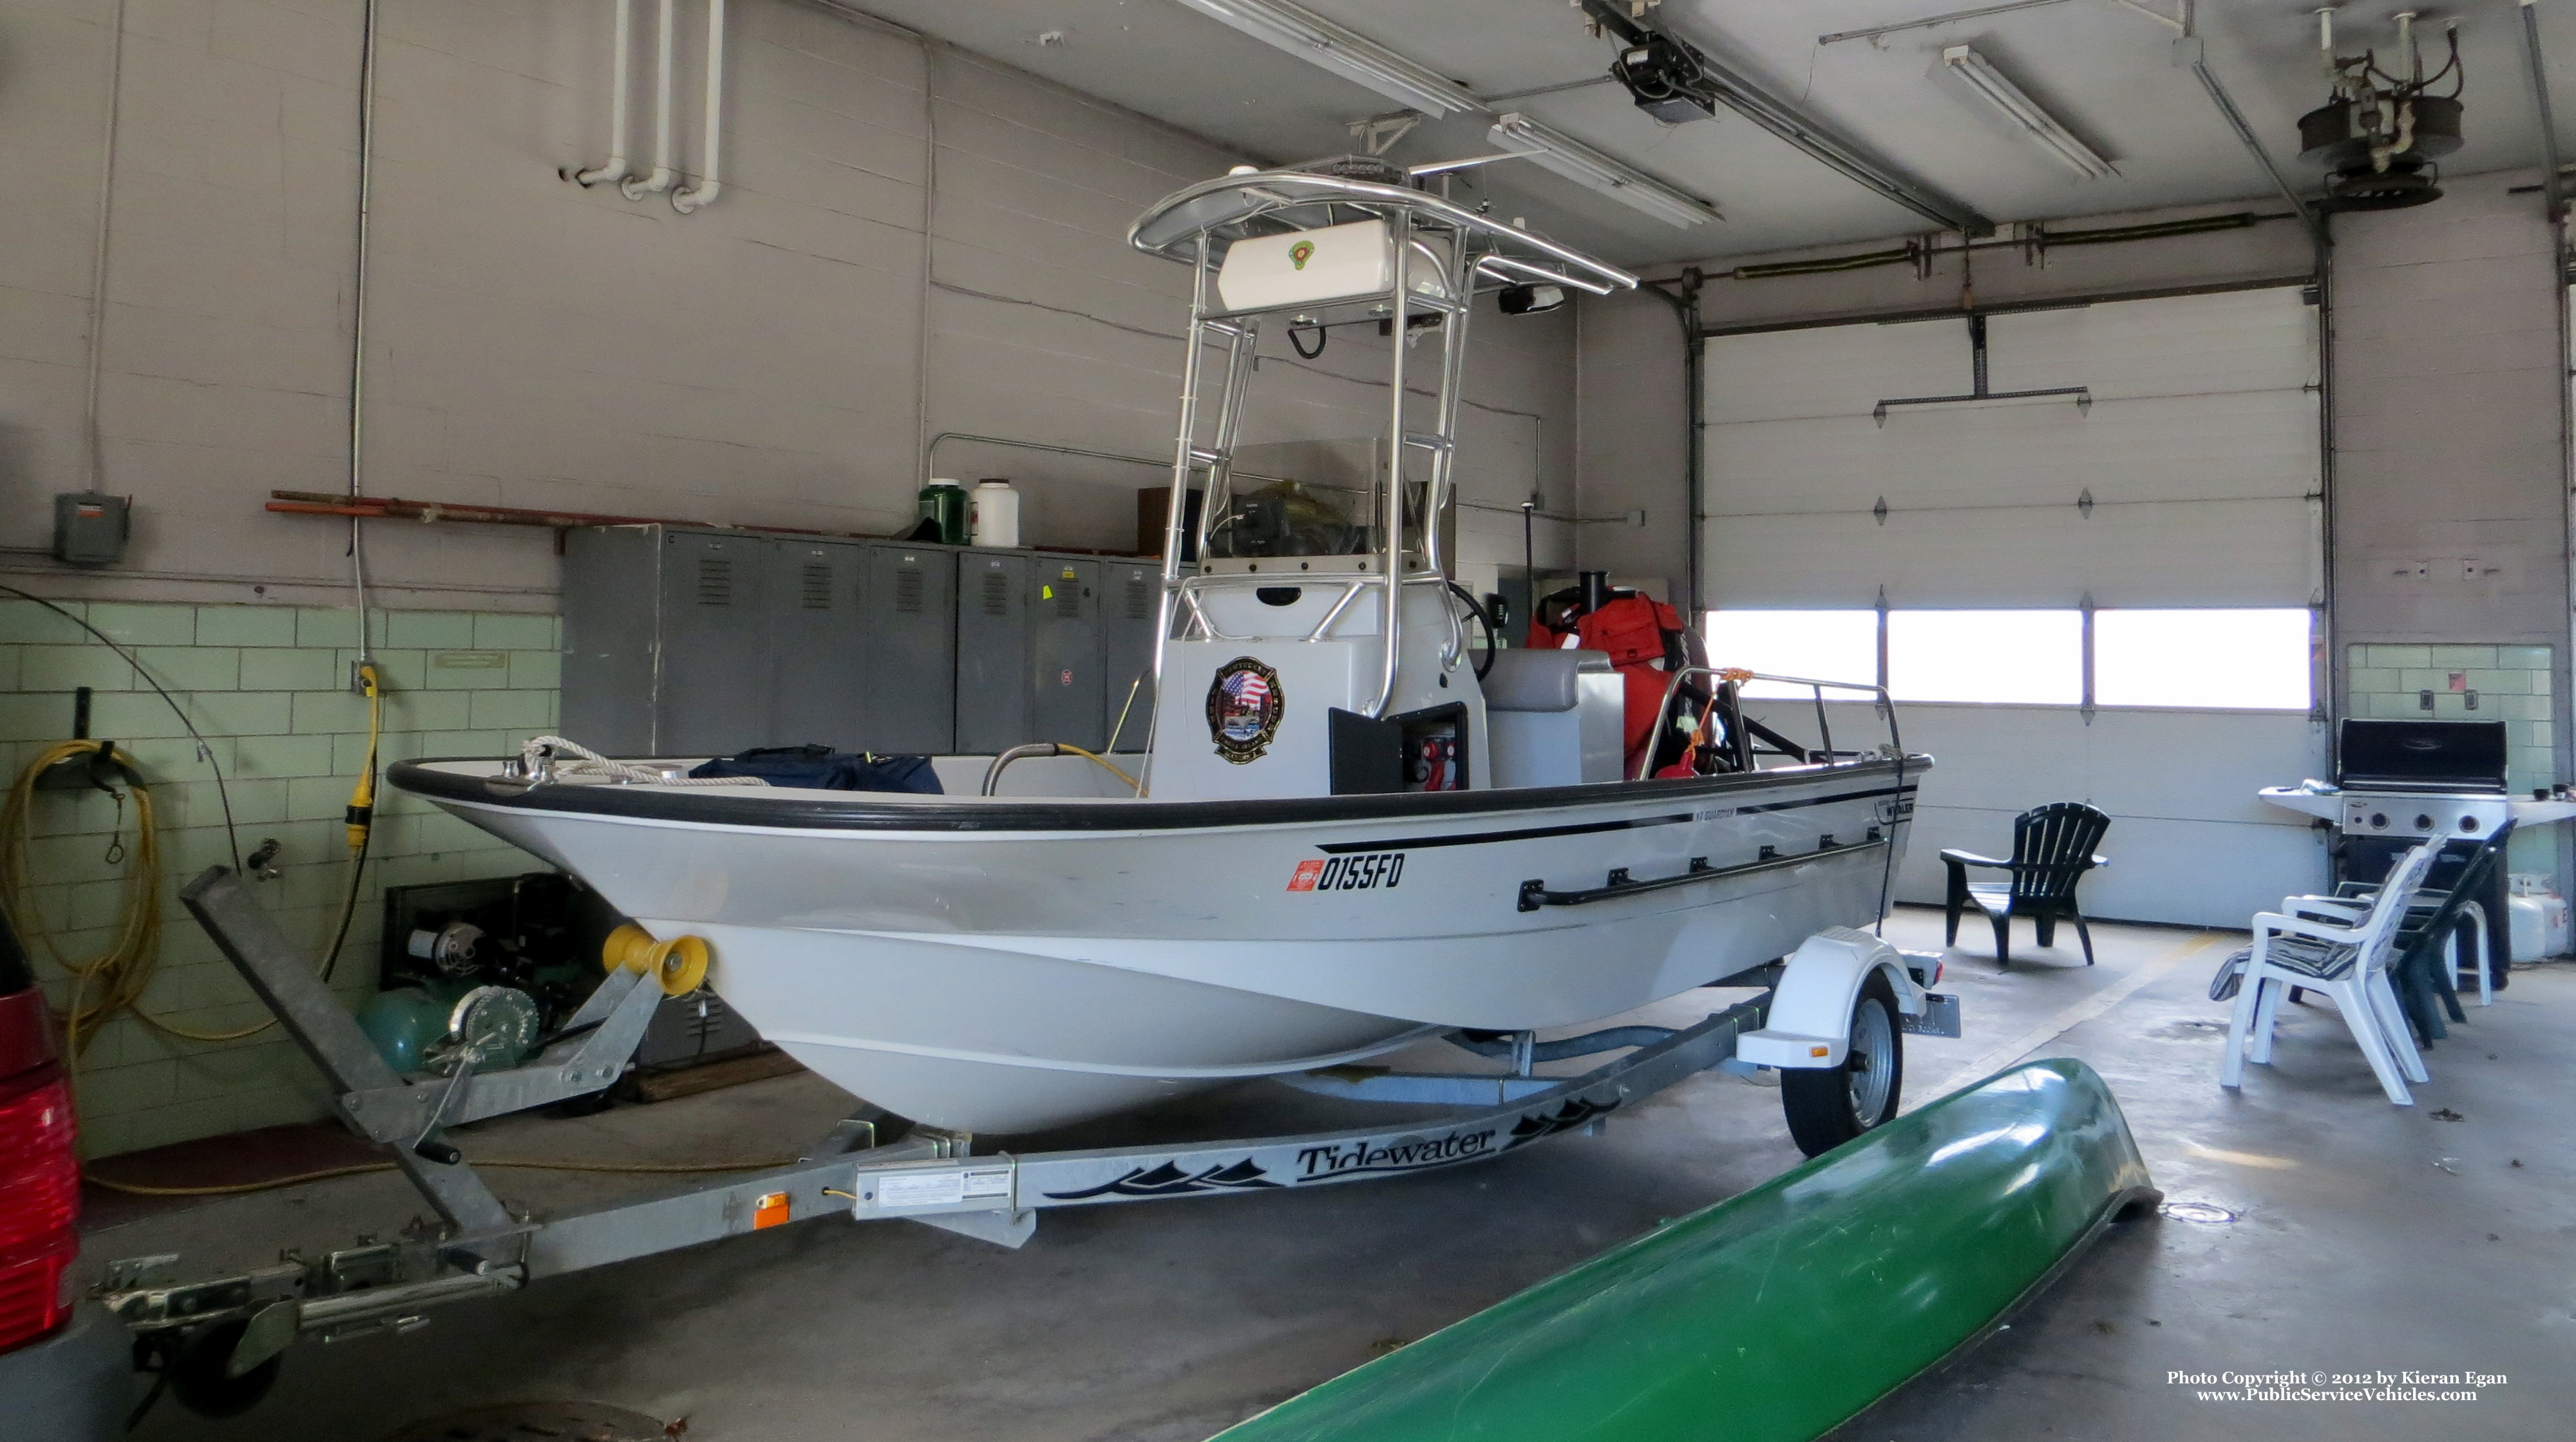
(39, 1205)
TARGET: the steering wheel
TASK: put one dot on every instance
(1493, 639)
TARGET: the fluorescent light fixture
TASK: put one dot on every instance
(1347, 53)
(2007, 97)
(1584, 165)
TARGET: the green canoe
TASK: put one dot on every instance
(1778, 1314)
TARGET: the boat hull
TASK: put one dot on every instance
(1009, 968)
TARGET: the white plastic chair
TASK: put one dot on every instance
(2465, 966)
(2348, 961)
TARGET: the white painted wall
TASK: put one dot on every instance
(912, 240)
(2450, 391)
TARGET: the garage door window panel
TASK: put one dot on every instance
(1823, 645)
(2259, 660)
(2003, 658)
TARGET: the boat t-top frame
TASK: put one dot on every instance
(1440, 256)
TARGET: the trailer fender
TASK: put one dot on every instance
(1810, 1019)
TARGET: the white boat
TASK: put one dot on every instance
(1048, 943)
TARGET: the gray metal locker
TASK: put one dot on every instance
(611, 637)
(716, 654)
(1130, 596)
(993, 711)
(910, 685)
(1064, 652)
(818, 642)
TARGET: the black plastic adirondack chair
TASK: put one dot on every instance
(2052, 849)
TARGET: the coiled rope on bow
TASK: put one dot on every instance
(538, 752)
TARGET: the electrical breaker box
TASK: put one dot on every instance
(815, 595)
(1130, 598)
(909, 700)
(1064, 649)
(993, 658)
(91, 528)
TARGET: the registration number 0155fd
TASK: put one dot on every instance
(1368, 871)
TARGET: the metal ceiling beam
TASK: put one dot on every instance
(1930, 21)
(1795, 126)
(2552, 182)
(2189, 53)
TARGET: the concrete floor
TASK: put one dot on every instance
(2368, 1238)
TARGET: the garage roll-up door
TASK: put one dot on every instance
(2186, 481)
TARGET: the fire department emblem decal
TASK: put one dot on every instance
(1243, 708)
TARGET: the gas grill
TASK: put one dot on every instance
(2399, 784)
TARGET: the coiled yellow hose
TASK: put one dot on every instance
(114, 980)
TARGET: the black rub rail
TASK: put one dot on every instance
(1535, 892)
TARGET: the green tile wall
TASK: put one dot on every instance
(266, 685)
(2512, 684)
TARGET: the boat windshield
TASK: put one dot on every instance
(1303, 498)
(1288, 518)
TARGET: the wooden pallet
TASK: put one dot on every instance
(662, 1084)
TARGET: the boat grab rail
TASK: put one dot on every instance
(1738, 675)
(1536, 893)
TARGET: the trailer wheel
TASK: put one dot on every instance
(1828, 1107)
(198, 1376)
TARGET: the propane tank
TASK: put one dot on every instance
(2536, 917)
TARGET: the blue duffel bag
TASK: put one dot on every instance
(820, 768)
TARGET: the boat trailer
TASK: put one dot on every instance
(220, 1340)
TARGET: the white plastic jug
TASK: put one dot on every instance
(993, 513)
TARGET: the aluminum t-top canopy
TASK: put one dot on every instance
(1317, 250)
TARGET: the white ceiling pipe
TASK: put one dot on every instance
(663, 176)
(615, 167)
(711, 150)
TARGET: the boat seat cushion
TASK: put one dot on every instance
(1527, 680)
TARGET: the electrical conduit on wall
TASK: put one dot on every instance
(663, 176)
(710, 185)
(614, 169)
